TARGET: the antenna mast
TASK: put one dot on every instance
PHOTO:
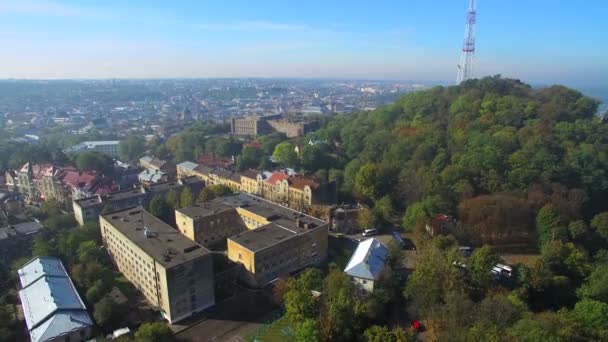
(465, 68)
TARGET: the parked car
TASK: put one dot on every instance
(370, 232)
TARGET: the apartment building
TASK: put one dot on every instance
(88, 209)
(171, 271)
(292, 128)
(252, 125)
(297, 191)
(269, 240)
(109, 147)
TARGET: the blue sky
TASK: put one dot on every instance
(539, 41)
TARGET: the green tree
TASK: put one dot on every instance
(159, 208)
(592, 318)
(600, 224)
(94, 161)
(299, 303)
(366, 218)
(308, 331)
(131, 148)
(186, 198)
(173, 200)
(285, 154)
(88, 251)
(212, 192)
(596, 285)
(106, 312)
(480, 266)
(154, 332)
(547, 221)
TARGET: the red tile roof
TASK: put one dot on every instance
(277, 176)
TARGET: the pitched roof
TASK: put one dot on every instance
(51, 305)
(276, 177)
(368, 260)
(253, 174)
(300, 181)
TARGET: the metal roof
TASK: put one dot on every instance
(368, 260)
(51, 305)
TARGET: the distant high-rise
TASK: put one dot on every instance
(465, 68)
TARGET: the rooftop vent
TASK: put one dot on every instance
(149, 234)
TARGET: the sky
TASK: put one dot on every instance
(538, 41)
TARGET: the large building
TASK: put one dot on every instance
(252, 125)
(52, 308)
(297, 191)
(88, 209)
(292, 128)
(269, 240)
(109, 147)
(174, 273)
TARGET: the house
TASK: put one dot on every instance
(52, 308)
(441, 224)
(367, 263)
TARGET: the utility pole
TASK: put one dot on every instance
(465, 68)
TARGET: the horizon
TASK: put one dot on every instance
(346, 41)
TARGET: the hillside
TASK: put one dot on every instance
(492, 151)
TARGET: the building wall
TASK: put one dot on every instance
(263, 266)
(365, 284)
(178, 291)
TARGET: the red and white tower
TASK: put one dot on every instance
(465, 68)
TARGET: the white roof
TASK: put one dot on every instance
(188, 165)
(368, 260)
(51, 305)
(148, 175)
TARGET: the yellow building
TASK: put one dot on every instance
(174, 273)
(268, 239)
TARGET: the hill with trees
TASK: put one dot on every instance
(493, 152)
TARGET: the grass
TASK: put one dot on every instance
(279, 330)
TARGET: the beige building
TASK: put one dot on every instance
(252, 125)
(292, 128)
(88, 209)
(269, 240)
(171, 271)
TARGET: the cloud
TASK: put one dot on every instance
(251, 26)
(48, 8)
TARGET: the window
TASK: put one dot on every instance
(240, 256)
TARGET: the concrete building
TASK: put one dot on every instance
(269, 240)
(37, 182)
(366, 264)
(52, 308)
(109, 147)
(292, 128)
(252, 125)
(173, 273)
(88, 209)
(153, 164)
(297, 191)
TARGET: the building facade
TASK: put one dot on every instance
(252, 125)
(172, 272)
(109, 147)
(367, 263)
(88, 209)
(269, 240)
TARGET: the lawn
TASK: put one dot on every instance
(279, 330)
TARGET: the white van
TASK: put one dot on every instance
(370, 232)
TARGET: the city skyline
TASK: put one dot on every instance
(418, 41)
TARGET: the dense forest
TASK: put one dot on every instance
(492, 152)
(516, 166)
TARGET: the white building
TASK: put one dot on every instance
(108, 147)
(52, 308)
(366, 263)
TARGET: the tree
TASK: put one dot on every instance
(308, 331)
(52, 207)
(94, 161)
(88, 252)
(131, 148)
(154, 332)
(250, 158)
(299, 303)
(480, 265)
(285, 154)
(173, 199)
(106, 312)
(212, 192)
(546, 326)
(547, 222)
(366, 218)
(159, 208)
(600, 224)
(186, 198)
(592, 318)
(596, 285)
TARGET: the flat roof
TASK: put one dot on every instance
(205, 209)
(162, 242)
(262, 237)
